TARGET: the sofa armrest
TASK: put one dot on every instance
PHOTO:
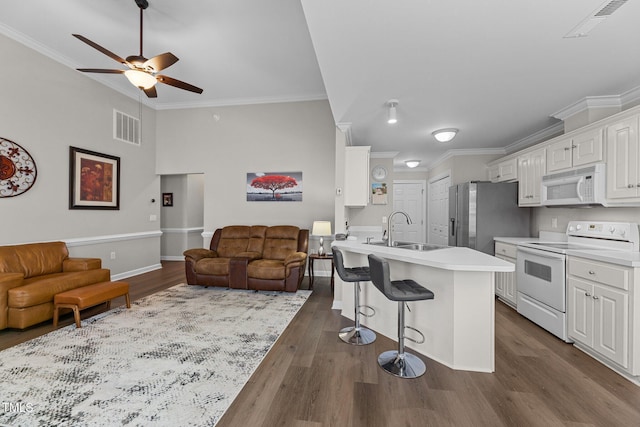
(7, 281)
(81, 264)
(296, 257)
(249, 255)
(199, 253)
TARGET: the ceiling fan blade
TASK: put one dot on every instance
(151, 92)
(177, 83)
(100, 48)
(160, 62)
(100, 70)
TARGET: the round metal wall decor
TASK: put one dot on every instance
(17, 169)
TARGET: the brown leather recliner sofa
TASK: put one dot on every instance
(251, 257)
(31, 274)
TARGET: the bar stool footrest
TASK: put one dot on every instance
(373, 311)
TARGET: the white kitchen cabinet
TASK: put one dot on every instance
(356, 177)
(598, 310)
(623, 161)
(504, 171)
(581, 149)
(506, 288)
(531, 168)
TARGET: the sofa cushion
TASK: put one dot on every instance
(41, 289)
(268, 269)
(34, 259)
(213, 266)
(280, 241)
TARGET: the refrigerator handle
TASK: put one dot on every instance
(452, 226)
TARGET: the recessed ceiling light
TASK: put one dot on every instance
(444, 135)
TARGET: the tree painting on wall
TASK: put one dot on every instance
(274, 187)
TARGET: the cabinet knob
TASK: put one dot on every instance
(630, 185)
(596, 297)
(592, 272)
(567, 148)
(574, 146)
(587, 294)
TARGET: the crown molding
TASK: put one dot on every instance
(632, 96)
(540, 136)
(587, 103)
(465, 152)
(383, 154)
(345, 127)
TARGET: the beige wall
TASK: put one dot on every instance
(47, 107)
(226, 143)
(542, 216)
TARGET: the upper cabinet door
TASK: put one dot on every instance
(587, 148)
(622, 159)
(559, 155)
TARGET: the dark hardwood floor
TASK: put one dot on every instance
(311, 378)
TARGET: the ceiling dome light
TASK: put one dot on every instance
(141, 79)
(412, 163)
(393, 118)
(444, 135)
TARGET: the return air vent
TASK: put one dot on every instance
(126, 128)
(599, 15)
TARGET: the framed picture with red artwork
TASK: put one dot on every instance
(94, 180)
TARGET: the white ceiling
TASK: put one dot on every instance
(497, 70)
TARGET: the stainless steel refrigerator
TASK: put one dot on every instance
(480, 211)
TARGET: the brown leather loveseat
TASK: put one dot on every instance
(31, 274)
(251, 257)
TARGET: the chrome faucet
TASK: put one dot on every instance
(390, 224)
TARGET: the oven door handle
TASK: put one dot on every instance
(543, 254)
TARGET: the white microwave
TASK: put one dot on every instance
(583, 186)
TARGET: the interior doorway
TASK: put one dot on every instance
(409, 196)
(438, 209)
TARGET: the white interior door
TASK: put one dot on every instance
(408, 196)
(438, 210)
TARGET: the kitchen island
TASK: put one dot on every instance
(458, 323)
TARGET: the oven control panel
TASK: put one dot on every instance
(621, 231)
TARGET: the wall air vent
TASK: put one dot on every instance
(599, 15)
(126, 128)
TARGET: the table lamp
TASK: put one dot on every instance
(321, 228)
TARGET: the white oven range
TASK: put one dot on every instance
(541, 269)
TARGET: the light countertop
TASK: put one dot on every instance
(447, 258)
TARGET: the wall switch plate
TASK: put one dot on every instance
(384, 219)
(113, 255)
(554, 222)
(153, 217)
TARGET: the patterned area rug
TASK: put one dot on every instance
(176, 358)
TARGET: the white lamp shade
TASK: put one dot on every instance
(321, 228)
(140, 79)
(412, 163)
(444, 135)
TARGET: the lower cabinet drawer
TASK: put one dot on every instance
(506, 249)
(607, 274)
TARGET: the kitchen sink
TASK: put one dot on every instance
(422, 247)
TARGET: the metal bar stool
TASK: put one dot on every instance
(399, 363)
(356, 334)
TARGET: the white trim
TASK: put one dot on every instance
(241, 101)
(535, 138)
(337, 305)
(383, 154)
(345, 128)
(465, 152)
(182, 230)
(588, 103)
(630, 96)
(445, 174)
(136, 272)
(171, 258)
(86, 241)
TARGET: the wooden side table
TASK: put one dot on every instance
(312, 258)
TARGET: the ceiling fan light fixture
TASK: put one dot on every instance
(141, 79)
(444, 135)
(412, 163)
(393, 115)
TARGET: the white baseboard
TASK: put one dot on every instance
(172, 258)
(135, 272)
